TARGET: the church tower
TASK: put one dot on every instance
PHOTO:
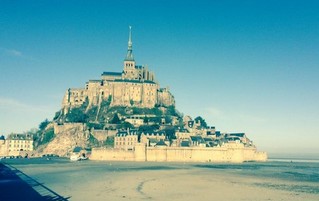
(129, 62)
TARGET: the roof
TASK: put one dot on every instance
(139, 67)
(208, 139)
(161, 143)
(185, 144)
(233, 138)
(236, 134)
(153, 140)
(197, 138)
(126, 133)
(135, 81)
(111, 74)
(95, 80)
(155, 133)
(20, 137)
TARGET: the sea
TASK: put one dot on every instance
(296, 175)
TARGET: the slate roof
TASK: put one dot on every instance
(125, 133)
(236, 134)
(185, 144)
(208, 139)
(95, 80)
(161, 143)
(233, 138)
(135, 81)
(19, 137)
(111, 74)
(197, 139)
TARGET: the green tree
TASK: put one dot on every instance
(44, 124)
(202, 121)
(109, 142)
(170, 132)
(148, 128)
(126, 125)
(76, 115)
(171, 110)
(168, 120)
(115, 119)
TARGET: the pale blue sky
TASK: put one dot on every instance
(246, 66)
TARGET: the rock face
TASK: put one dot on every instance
(67, 137)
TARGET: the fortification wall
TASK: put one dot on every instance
(235, 153)
(112, 154)
(191, 154)
(251, 154)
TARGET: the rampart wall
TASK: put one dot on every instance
(230, 153)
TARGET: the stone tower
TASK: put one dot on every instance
(129, 62)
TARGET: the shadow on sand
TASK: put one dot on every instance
(15, 185)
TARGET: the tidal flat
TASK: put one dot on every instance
(103, 180)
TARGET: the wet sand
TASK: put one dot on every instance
(90, 180)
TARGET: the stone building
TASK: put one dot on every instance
(3, 146)
(134, 86)
(126, 140)
(151, 139)
(19, 143)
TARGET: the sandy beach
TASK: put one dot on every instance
(90, 180)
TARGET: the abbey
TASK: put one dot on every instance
(134, 86)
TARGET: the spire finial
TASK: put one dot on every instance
(130, 36)
(129, 56)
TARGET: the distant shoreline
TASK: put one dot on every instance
(288, 159)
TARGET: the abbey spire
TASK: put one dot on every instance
(129, 56)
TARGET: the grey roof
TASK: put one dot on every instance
(197, 138)
(154, 133)
(20, 137)
(112, 73)
(185, 144)
(125, 133)
(134, 81)
(95, 80)
(208, 139)
(161, 143)
(233, 138)
(153, 140)
(139, 67)
(236, 134)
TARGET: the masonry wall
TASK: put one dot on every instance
(112, 155)
(230, 153)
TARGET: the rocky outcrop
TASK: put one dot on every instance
(67, 137)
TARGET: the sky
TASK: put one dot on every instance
(244, 66)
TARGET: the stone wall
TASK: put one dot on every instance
(235, 153)
(112, 154)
